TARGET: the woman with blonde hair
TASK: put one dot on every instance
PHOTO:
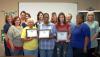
(94, 27)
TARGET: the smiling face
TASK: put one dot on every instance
(30, 23)
(54, 17)
(79, 19)
(17, 22)
(46, 18)
(23, 15)
(9, 19)
(68, 18)
(41, 17)
(90, 18)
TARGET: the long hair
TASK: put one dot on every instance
(6, 18)
(59, 17)
(39, 14)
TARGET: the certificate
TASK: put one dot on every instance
(62, 36)
(31, 33)
(44, 33)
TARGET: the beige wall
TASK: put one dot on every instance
(12, 5)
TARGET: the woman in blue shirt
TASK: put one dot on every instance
(80, 37)
(8, 23)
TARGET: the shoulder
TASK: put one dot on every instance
(96, 22)
(6, 25)
(12, 27)
(84, 25)
(51, 23)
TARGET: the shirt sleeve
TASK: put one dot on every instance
(86, 31)
(97, 27)
(5, 28)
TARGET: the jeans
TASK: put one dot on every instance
(46, 53)
(69, 50)
(7, 50)
(60, 50)
(18, 52)
(31, 52)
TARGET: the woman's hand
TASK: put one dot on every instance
(85, 50)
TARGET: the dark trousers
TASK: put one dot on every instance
(91, 52)
(7, 50)
(60, 50)
(78, 52)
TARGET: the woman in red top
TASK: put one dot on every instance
(63, 28)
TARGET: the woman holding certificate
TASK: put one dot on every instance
(63, 34)
(47, 33)
(29, 37)
(14, 34)
(80, 36)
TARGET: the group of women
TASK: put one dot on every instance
(81, 38)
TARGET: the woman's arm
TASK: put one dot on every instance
(26, 39)
(86, 42)
(10, 35)
(97, 31)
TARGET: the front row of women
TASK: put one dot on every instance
(81, 38)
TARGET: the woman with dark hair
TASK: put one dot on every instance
(61, 45)
(54, 18)
(28, 16)
(46, 46)
(23, 19)
(39, 18)
(8, 23)
(80, 37)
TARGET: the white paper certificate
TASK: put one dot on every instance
(31, 33)
(44, 33)
(62, 36)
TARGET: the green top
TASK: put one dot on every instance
(94, 28)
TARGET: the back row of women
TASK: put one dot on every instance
(81, 40)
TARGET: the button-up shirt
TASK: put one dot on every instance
(47, 43)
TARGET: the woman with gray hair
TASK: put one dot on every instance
(30, 44)
(94, 29)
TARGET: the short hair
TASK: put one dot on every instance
(15, 18)
(69, 14)
(22, 12)
(46, 14)
(30, 19)
(39, 14)
(54, 13)
(28, 15)
(61, 13)
(81, 15)
(90, 13)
